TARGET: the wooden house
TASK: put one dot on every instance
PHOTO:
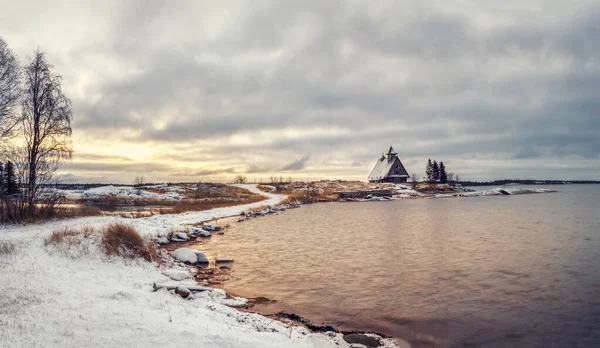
(389, 168)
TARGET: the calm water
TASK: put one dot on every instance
(509, 271)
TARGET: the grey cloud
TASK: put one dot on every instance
(117, 167)
(297, 164)
(433, 82)
(204, 172)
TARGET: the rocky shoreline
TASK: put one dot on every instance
(210, 275)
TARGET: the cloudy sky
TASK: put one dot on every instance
(206, 90)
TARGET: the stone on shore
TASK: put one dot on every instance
(185, 255)
(361, 339)
(183, 291)
(181, 236)
(200, 257)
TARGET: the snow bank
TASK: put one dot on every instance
(124, 192)
(506, 191)
(177, 274)
(49, 300)
(522, 191)
(55, 299)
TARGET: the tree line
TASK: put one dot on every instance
(35, 134)
(436, 172)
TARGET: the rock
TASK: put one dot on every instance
(185, 255)
(200, 232)
(183, 291)
(200, 257)
(182, 236)
(211, 228)
(176, 274)
(162, 240)
(224, 259)
(367, 341)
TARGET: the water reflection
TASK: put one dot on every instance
(488, 271)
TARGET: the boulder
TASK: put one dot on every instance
(200, 257)
(182, 236)
(162, 240)
(199, 232)
(185, 255)
(368, 341)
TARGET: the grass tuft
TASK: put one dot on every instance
(69, 235)
(124, 241)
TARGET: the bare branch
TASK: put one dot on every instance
(10, 89)
(46, 124)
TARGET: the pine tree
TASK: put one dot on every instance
(436, 171)
(429, 171)
(10, 186)
(443, 174)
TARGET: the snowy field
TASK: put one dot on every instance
(64, 296)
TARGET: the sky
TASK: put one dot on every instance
(318, 89)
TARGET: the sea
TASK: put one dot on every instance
(490, 271)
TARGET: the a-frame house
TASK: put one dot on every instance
(389, 168)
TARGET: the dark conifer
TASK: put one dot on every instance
(10, 186)
(429, 171)
(443, 174)
(435, 169)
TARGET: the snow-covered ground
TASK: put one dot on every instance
(58, 297)
(124, 192)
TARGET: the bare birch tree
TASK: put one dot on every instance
(10, 89)
(46, 122)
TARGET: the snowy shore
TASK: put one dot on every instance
(73, 297)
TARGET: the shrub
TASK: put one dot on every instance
(124, 241)
(7, 247)
(69, 235)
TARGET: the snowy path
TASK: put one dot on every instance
(76, 296)
(147, 226)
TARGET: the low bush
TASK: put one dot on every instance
(7, 247)
(124, 241)
(69, 235)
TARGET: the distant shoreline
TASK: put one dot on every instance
(527, 182)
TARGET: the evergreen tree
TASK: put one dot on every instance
(429, 171)
(443, 174)
(10, 179)
(435, 171)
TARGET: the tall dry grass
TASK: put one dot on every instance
(69, 235)
(115, 240)
(124, 241)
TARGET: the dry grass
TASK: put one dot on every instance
(80, 211)
(7, 247)
(69, 235)
(199, 205)
(137, 214)
(116, 240)
(264, 188)
(124, 241)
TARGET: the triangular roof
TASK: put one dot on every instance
(385, 164)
